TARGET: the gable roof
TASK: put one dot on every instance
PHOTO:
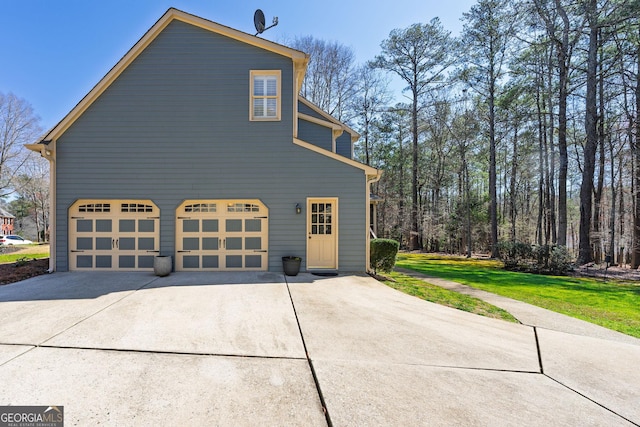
(329, 118)
(300, 60)
(5, 214)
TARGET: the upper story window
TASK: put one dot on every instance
(265, 95)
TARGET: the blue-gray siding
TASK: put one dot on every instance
(305, 109)
(344, 147)
(175, 125)
(315, 134)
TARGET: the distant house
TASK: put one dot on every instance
(6, 222)
(197, 145)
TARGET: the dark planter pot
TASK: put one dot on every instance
(291, 265)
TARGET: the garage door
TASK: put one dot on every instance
(221, 235)
(113, 235)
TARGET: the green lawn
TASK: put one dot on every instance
(7, 258)
(438, 295)
(612, 304)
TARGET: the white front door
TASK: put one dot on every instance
(322, 230)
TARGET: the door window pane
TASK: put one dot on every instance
(103, 225)
(190, 226)
(234, 261)
(210, 261)
(104, 243)
(190, 243)
(146, 243)
(253, 225)
(84, 243)
(234, 225)
(127, 226)
(253, 261)
(234, 243)
(84, 226)
(127, 244)
(126, 261)
(191, 261)
(145, 261)
(146, 225)
(210, 225)
(103, 261)
(84, 261)
(254, 243)
(210, 243)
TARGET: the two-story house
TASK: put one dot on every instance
(197, 145)
(6, 222)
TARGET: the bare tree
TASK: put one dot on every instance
(558, 28)
(32, 185)
(488, 29)
(330, 79)
(18, 126)
(371, 98)
(419, 55)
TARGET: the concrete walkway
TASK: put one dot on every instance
(262, 349)
(528, 314)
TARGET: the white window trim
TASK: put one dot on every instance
(278, 96)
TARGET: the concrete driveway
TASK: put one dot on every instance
(262, 349)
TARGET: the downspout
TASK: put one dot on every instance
(47, 150)
(370, 180)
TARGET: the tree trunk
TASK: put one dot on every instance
(493, 196)
(635, 249)
(414, 238)
(598, 210)
(591, 121)
(563, 63)
(512, 185)
(541, 169)
(612, 219)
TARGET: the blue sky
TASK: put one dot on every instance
(55, 51)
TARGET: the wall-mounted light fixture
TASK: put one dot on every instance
(298, 208)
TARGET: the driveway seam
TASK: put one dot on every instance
(325, 409)
(177, 353)
(97, 312)
(539, 351)
(591, 400)
(18, 355)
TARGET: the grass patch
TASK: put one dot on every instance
(7, 258)
(612, 304)
(438, 295)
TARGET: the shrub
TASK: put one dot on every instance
(515, 255)
(21, 262)
(383, 254)
(535, 259)
(560, 260)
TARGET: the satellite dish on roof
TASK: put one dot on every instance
(259, 22)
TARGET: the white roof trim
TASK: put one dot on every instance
(354, 135)
(367, 169)
(320, 122)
